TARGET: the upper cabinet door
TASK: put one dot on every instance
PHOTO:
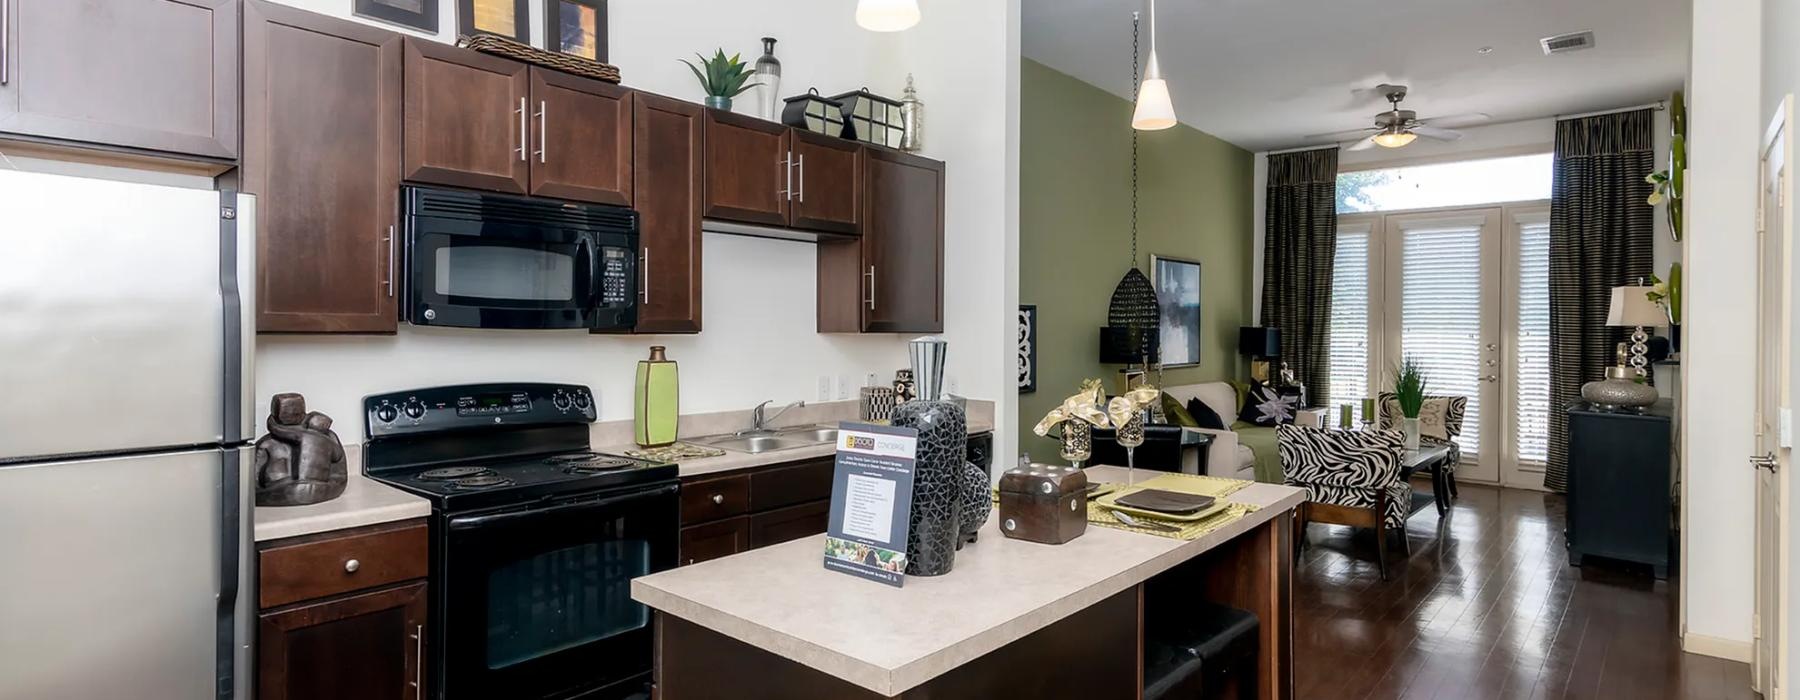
(903, 243)
(748, 177)
(827, 183)
(468, 121)
(159, 75)
(668, 146)
(322, 154)
(581, 139)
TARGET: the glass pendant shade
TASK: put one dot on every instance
(1154, 109)
(887, 15)
(1394, 138)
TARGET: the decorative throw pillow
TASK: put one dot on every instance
(1433, 416)
(1267, 405)
(1175, 414)
(1204, 415)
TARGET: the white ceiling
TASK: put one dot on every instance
(1264, 74)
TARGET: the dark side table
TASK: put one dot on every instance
(1619, 483)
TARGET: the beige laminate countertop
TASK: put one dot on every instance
(365, 501)
(734, 461)
(888, 640)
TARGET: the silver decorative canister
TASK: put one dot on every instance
(912, 117)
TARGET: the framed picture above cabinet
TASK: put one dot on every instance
(507, 18)
(412, 14)
(576, 27)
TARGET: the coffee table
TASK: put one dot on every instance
(1435, 458)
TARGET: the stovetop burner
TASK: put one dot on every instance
(482, 481)
(590, 462)
(454, 473)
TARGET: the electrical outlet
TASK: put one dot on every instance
(824, 387)
(843, 387)
(953, 388)
(872, 380)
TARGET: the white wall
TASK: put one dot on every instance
(1724, 133)
(758, 295)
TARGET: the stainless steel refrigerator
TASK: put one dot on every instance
(126, 341)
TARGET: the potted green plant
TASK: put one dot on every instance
(722, 79)
(1409, 392)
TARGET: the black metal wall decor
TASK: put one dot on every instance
(814, 113)
(1027, 348)
(873, 118)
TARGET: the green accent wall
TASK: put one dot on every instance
(1194, 202)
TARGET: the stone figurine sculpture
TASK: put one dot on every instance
(301, 461)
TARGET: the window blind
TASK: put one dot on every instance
(1349, 345)
(1532, 385)
(1440, 316)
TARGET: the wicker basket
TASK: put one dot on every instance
(507, 48)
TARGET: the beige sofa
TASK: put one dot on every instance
(1227, 457)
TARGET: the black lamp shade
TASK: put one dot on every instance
(1124, 345)
(1259, 342)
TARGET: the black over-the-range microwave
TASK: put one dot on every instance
(477, 260)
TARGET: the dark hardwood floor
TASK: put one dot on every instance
(1488, 607)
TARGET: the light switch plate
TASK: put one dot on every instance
(843, 387)
(824, 387)
(1786, 428)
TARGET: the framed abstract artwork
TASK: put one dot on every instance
(576, 27)
(504, 18)
(412, 14)
(1027, 348)
(1177, 283)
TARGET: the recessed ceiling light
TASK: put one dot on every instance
(1485, 50)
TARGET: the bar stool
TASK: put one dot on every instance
(1197, 649)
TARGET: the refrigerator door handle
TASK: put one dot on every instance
(237, 275)
(230, 526)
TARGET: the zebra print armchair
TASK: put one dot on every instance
(1455, 407)
(1351, 478)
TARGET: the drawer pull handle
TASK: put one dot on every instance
(718, 499)
(351, 566)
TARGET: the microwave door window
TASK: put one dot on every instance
(504, 274)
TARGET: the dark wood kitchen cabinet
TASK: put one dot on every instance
(827, 183)
(668, 146)
(343, 614)
(322, 153)
(581, 138)
(759, 172)
(742, 510)
(468, 119)
(156, 75)
(891, 279)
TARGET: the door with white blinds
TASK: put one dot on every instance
(1443, 310)
(1352, 344)
(1526, 314)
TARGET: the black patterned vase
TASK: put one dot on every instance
(941, 467)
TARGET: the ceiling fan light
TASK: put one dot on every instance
(1394, 138)
(1154, 110)
(887, 15)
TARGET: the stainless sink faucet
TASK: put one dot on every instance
(759, 421)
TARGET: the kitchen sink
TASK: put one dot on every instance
(817, 434)
(770, 441)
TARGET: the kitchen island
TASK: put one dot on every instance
(1013, 619)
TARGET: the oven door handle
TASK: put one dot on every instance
(560, 509)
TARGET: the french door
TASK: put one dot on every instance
(1465, 293)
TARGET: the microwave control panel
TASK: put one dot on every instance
(616, 276)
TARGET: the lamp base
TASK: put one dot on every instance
(1614, 392)
(1259, 370)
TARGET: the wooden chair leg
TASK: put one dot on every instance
(1381, 535)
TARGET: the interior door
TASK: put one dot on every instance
(1773, 412)
(1443, 310)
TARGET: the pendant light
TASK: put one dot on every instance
(887, 15)
(1133, 328)
(1154, 108)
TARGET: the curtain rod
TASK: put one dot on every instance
(1658, 105)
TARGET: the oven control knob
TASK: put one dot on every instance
(430, 315)
(561, 400)
(581, 400)
(415, 410)
(386, 413)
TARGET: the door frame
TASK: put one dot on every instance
(1775, 237)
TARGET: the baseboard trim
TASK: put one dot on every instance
(1716, 647)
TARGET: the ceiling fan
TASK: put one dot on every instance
(1398, 127)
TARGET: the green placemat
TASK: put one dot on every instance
(674, 453)
(1217, 487)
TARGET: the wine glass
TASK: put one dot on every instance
(1130, 435)
(1077, 441)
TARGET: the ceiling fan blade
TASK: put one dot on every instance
(1451, 121)
(1437, 133)
(1344, 135)
(1362, 145)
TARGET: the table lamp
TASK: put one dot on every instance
(1260, 345)
(1631, 308)
(1125, 345)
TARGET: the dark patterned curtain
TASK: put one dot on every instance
(1299, 245)
(1600, 237)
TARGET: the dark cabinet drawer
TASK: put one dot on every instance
(713, 540)
(791, 523)
(786, 486)
(318, 566)
(705, 500)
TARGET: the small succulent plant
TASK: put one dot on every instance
(722, 77)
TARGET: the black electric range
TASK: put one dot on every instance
(535, 538)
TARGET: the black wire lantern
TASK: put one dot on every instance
(814, 113)
(873, 118)
(1134, 310)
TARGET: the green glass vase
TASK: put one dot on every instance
(655, 405)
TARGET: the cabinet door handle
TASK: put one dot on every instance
(522, 129)
(645, 291)
(352, 566)
(418, 681)
(871, 275)
(389, 282)
(718, 499)
(803, 178)
(787, 172)
(543, 130)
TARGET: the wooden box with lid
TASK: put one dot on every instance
(1043, 503)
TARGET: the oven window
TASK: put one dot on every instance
(501, 272)
(564, 599)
